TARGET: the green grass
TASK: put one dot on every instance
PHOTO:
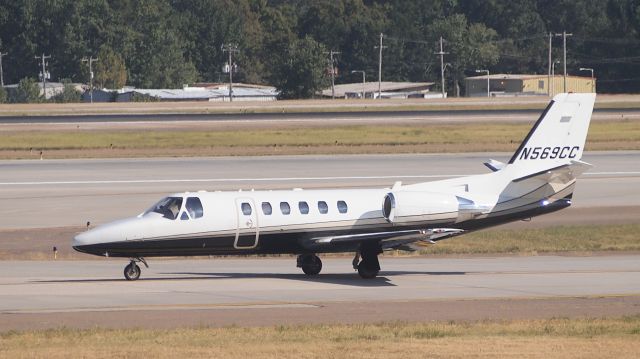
(552, 338)
(616, 135)
(584, 238)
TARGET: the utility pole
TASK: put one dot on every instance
(44, 74)
(442, 53)
(90, 60)
(1, 74)
(231, 49)
(549, 70)
(380, 47)
(564, 49)
(333, 72)
(553, 75)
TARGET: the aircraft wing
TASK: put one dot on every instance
(392, 240)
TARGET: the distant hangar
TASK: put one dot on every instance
(526, 85)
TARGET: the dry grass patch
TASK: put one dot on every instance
(584, 238)
(36, 244)
(554, 338)
(610, 135)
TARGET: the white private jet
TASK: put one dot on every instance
(539, 179)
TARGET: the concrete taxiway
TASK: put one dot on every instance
(273, 291)
(58, 193)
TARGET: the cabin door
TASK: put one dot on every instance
(247, 232)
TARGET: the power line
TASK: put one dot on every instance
(441, 53)
(333, 72)
(44, 74)
(90, 60)
(564, 35)
(230, 49)
(380, 47)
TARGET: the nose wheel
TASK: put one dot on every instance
(132, 270)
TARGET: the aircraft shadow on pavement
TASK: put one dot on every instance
(347, 279)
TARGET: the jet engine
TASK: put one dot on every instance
(403, 207)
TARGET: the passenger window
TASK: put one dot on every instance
(342, 207)
(322, 207)
(304, 207)
(266, 208)
(194, 207)
(184, 216)
(246, 209)
(284, 208)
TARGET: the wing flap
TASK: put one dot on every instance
(391, 240)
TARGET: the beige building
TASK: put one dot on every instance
(523, 85)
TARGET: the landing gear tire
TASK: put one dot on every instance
(367, 271)
(310, 264)
(369, 266)
(132, 271)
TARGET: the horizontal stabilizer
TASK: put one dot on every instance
(564, 173)
(494, 165)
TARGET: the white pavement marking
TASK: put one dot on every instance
(268, 179)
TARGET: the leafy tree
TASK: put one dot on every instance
(69, 93)
(470, 46)
(300, 73)
(110, 70)
(27, 91)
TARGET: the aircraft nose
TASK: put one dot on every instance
(82, 239)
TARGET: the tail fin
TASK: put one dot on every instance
(559, 135)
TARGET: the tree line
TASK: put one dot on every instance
(168, 43)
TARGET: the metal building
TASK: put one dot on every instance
(526, 85)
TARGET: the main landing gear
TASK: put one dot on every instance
(369, 266)
(310, 264)
(132, 271)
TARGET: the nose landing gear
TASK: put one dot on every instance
(132, 271)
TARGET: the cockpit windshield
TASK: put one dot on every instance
(168, 207)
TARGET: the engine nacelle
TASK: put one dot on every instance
(403, 207)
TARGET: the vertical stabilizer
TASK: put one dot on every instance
(559, 135)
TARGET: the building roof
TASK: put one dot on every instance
(200, 93)
(386, 86)
(517, 77)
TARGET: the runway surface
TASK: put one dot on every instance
(271, 291)
(58, 193)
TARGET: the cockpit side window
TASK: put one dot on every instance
(194, 207)
(168, 207)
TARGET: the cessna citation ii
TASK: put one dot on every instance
(539, 178)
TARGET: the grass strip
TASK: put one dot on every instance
(552, 338)
(611, 135)
(36, 244)
(584, 238)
